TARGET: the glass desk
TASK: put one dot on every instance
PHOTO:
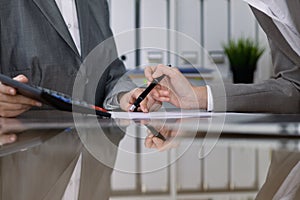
(223, 156)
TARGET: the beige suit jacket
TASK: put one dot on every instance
(281, 165)
(281, 93)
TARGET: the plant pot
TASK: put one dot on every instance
(243, 74)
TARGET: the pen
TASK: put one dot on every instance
(155, 132)
(142, 96)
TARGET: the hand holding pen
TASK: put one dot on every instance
(176, 88)
(144, 94)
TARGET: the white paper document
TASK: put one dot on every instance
(161, 114)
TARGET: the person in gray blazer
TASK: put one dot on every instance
(280, 94)
(40, 43)
(48, 43)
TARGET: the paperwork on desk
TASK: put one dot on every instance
(175, 114)
(160, 114)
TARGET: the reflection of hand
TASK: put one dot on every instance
(13, 104)
(7, 138)
(176, 89)
(148, 104)
(155, 142)
(6, 133)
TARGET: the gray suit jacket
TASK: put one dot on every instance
(278, 95)
(35, 41)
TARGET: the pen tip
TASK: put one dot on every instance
(132, 108)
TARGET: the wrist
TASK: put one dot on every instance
(201, 95)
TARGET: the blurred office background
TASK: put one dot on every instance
(211, 23)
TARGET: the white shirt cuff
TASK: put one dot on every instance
(210, 103)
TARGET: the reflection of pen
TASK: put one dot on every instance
(142, 96)
(155, 132)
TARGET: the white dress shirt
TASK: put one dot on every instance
(210, 103)
(69, 13)
(279, 12)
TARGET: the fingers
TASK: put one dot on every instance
(10, 90)
(152, 142)
(18, 99)
(168, 71)
(148, 72)
(149, 142)
(149, 103)
(156, 71)
(156, 106)
(143, 105)
(6, 139)
(12, 110)
(13, 104)
(7, 90)
(21, 78)
(160, 94)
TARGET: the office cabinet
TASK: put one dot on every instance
(187, 154)
(153, 35)
(243, 158)
(216, 25)
(242, 20)
(216, 177)
(122, 20)
(188, 15)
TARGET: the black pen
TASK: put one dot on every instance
(155, 132)
(142, 96)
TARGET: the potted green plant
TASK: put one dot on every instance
(243, 55)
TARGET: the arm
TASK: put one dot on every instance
(277, 95)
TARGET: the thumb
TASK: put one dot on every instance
(21, 78)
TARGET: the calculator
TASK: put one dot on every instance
(55, 99)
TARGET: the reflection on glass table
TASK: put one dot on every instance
(123, 158)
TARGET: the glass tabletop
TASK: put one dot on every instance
(222, 156)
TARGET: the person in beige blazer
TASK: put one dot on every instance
(280, 94)
(282, 180)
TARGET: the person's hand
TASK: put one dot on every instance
(7, 138)
(154, 142)
(13, 104)
(176, 89)
(148, 104)
(8, 129)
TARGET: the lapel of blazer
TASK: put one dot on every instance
(294, 7)
(52, 14)
(275, 35)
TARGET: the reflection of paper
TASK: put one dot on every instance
(160, 114)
